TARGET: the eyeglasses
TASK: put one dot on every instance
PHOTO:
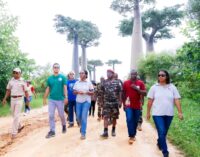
(14, 72)
(161, 75)
(71, 74)
(81, 73)
(56, 67)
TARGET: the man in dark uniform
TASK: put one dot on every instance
(112, 97)
(100, 98)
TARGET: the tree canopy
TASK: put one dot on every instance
(156, 24)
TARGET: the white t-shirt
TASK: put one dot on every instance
(163, 99)
(83, 86)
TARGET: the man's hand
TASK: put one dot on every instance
(4, 102)
(65, 101)
(44, 102)
(148, 116)
(135, 87)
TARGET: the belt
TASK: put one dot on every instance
(16, 96)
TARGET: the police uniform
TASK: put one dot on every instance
(17, 88)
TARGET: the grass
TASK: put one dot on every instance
(35, 103)
(186, 134)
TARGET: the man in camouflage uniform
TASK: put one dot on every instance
(100, 98)
(112, 97)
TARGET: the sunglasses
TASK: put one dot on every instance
(161, 75)
(15, 72)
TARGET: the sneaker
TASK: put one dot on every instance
(83, 137)
(64, 130)
(139, 127)
(50, 134)
(131, 140)
(20, 129)
(104, 135)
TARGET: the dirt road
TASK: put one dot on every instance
(31, 140)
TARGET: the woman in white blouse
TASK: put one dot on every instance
(84, 90)
(161, 98)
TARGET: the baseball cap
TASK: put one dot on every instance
(110, 70)
(17, 70)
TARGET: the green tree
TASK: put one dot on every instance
(90, 69)
(156, 25)
(133, 7)
(94, 64)
(10, 54)
(113, 63)
(188, 60)
(88, 36)
(81, 32)
(70, 27)
(149, 67)
(40, 76)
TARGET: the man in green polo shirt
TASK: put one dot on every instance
(57, 91)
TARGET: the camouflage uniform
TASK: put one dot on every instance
(111, 93)
(99, 99)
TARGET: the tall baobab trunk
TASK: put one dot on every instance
(149, 47)
(83, 58)
(113, 66)
(136, 49)
(90, 74)
(94, 74)
(75, 61)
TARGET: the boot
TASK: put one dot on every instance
(105, 133)
(113, 131)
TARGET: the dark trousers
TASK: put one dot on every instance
(162, 125)
(132, 117)
(72, 110)
(92, 108)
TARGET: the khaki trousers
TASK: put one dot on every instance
(16, 107)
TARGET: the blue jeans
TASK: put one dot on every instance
(132, 117)
(82, 114)
(53, 104)
(72, 109)
(162, 125)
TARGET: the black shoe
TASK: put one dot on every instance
(113, 133)
(166, 155)
(50, 134)
(104, 135)
(20, 129)
(64, 130)
(71, 125)
(158, 146)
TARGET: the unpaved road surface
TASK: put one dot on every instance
(31, 141)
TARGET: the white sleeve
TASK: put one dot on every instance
(75, 86)
(8, 85)
(91, 86)
(176, 93)
(151, 92)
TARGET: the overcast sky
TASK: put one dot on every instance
(39, 39)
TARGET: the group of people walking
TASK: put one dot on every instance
(111, 94)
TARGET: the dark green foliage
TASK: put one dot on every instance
(157, 22)
(10, 54)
